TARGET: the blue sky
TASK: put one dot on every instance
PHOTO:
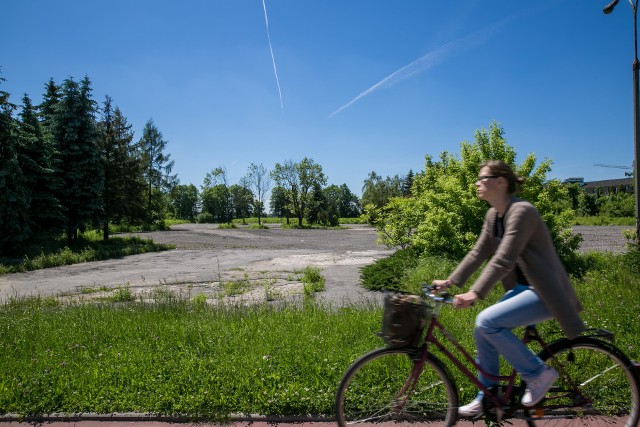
(362, 85)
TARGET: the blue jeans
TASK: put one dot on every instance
(521, 306)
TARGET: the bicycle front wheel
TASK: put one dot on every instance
(392, 385)
(597, 385)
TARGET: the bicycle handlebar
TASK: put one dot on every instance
(441, 297)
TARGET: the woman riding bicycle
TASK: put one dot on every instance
(521, 255)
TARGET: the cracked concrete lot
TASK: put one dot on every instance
(262, 264)
(267, 263)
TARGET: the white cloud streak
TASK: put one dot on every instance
(427, 61)
(273, 58)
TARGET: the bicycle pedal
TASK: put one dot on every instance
(538, 413)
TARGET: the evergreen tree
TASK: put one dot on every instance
(316, 212)
(48, 107)
(123, 180)
(36, 162)
(14, 194)
(407, 183)
(75, 136)
(157, 171)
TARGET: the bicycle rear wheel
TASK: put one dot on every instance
(388, 385)
(597, 385)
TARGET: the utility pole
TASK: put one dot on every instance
(636, 109)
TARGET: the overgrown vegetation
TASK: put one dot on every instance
(604, 220)
(313, 280)
(443, 215)
(179, 355)
(88, 247)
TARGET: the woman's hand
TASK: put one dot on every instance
(465, 300)
(442, 284)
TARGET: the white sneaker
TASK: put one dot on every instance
(471, 409)
(537, 388)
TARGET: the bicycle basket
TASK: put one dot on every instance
(404, 319)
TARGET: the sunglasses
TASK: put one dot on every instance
(485, 177)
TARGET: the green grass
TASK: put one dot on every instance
(604, 220)
(313, 280)
(89, 247)
(180, 355)
(177, 358)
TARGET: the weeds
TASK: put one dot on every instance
(90, 247)
(180, 355)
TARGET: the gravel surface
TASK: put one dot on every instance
(268, 261)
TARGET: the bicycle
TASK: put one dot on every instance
(598, 384)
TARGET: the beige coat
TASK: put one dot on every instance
(527, 242)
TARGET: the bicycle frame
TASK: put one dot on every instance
(431, 340)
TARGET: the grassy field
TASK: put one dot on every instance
(604, 220)
(178, 355)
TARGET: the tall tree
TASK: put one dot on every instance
(14, 195)
(216, 197)
(348, 203)
(157, 170)
(242, 199)
(259, 182)
(184, 201)
(48, 106)
(407, 183)
(75, 135)
(123, 181)
(286, 178)
(317, 207)
(279, 203)
(377, 191)
(37, 160)
(298, 179)
(216, 200)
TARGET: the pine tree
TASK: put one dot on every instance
(36, 162)
(48, 107)
(157, 170)
(122, 168)
(14, 194)
(75, 136)
(407, 183)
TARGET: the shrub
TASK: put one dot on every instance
(205, 218)
(388, 273)
(444, 215)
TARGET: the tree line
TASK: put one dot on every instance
(69, 164)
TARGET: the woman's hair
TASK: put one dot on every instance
(500, 168)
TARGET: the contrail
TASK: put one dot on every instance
(427, 61)
(273, 58)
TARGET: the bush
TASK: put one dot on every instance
(226, 225)
(388, 273)
(444, 215)
(205, 218)
(617, 205)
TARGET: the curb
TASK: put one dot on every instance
(174, 419)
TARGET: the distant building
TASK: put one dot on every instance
(609, 186)
(574, 180)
